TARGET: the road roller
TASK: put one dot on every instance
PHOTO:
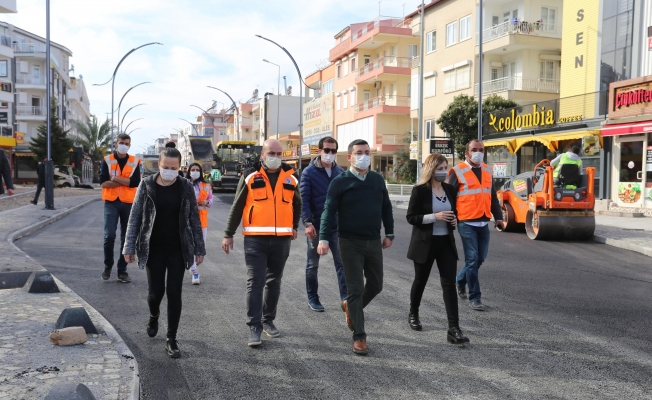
(548, 208)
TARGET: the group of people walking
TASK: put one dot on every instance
(164, 219)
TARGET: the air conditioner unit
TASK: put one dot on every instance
(378, 84)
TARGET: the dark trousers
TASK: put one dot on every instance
(475, 240)
(39, 187)
(312, 265)
(159, 262)
(363, 260)
(440, 250)
(115, 211)
(265, 257)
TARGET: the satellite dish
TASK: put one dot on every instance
(256, 93)
(289, 91)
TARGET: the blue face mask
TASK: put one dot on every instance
(440, 176)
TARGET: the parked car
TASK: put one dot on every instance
(64, 176)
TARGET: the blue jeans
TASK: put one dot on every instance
(312, 265)
(475, 240)
(115, 211)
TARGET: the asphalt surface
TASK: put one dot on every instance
(565, 321)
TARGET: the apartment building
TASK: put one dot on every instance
(372, 87)
(77, 105)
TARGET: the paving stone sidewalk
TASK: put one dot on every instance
(29, 364)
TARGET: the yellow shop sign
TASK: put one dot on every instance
(538, 117)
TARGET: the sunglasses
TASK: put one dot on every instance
(329, 151)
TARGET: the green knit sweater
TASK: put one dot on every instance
(360, 207)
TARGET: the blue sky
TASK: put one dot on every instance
(206, 42)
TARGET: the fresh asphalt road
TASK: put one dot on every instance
(565, 321)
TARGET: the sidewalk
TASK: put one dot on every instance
(633, 234)
(29, 364)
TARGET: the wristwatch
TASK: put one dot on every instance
(390, 237)
(307, 223)
(112, 178)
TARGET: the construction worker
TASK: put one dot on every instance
(204, 195)
(268, 203)
(476, 204)
(119, 177)
(570, 157)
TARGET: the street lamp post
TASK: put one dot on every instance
(480, 75)
(206, 112)
(112, 80)
(49, 164)
(191, 124)
(235, 108)
(133, 130)
(124, 116)
(300, 100)
(278, 94)
(123, 97)
(420, 91)
(132, 123)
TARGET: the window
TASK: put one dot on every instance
(430, 129)
(367, 59)
(465, 28)
(345, 100)
(413, 50)
(327, 87)
(494, 20)
(342, 38)
(451, 34)
(429, 86)
(339, 71)
(36, 73)
(414, 92)
(431, 41)
(547, 71)
(209, 131)
(352, 64)
(338, 102)
(409, 89)
(4, 104)
(457, 78)
(345, 67)
(548, 17)
(352, 98)
(3, 68)
(494, 74)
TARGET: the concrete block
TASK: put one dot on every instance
(76, 316)
(68, 336)
(12, 280)
(41, 282)
(70, 391)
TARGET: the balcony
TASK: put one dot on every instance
(380, 25)
(30, 113)
(520, 34)
(5, 46)
(383, 65)
(29, 48)
(22, 81)
(518, 83)
(384, 105)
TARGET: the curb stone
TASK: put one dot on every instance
(623, 245)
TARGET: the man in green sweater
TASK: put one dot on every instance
(359, 198)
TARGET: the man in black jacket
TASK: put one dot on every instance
(5, 172)
(40, 172)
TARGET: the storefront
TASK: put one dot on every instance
(630, 126)
(6, 145)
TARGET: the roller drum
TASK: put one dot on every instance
(551, 225)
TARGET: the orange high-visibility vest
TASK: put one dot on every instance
(266, 212)
(204, 191)
(125, 194)
(473, 198)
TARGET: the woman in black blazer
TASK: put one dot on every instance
(432, 215)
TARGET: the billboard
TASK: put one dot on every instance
(317, 119)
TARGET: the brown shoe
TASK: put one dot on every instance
(360, 347)
(348, 319)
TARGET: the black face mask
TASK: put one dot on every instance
(440, 176)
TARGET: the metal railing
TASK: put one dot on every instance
(378, 21)
(5, 40)
(518, 83)
(519, 27)
(389, 61)
(399, 190)
(29, 48)
(29, 110)
(30, 80)
(395, 101)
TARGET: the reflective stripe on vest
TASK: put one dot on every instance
(473, 196)
(123, 193)
(269, 212)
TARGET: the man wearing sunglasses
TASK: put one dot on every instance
(268, 203)
(314, 185)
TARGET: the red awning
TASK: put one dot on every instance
(627, 129)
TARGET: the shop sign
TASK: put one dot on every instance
(4, 117)
(516, 118)
(500, 170)
(317, 119)
(20, 138)
(629, 192)
(648, 158)
(591, 145)
(445, 147)
(631, 97)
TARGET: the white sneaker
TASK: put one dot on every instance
(195, 279)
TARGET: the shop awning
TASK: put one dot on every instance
(7, 141)
(627, 129)
(500, 142)
(551, 140)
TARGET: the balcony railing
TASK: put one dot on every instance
(30, 80)
(29, 48)
(27, 110)
(394, 101)
(379, 21)
(391, 61)
(5, 40)
(518, 83)
(518, 27)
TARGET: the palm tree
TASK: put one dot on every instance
(95, 138)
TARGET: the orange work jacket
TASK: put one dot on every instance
(204, 191)
(473, 198)
(125, 194)
(266, 212)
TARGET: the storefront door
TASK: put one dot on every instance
(631, 181)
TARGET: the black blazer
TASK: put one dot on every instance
(420, 205)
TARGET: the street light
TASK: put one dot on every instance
(191, 124)
(132, 123)
(124, 116)
(300, 100)
(278, 94)
(123, 97)
(133, 130)
(235, 108)
(205, 112)
(112, 80)
(49, 165)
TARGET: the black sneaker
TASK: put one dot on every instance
(461, 292)
(455, 336)
(106, 274)
(123, 277)
(152, 326)
(254, 338)
(33, 202)
(413, 321)
(172, 347)
(270, 330)
(477, 305)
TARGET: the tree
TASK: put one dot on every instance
(95, 138)
(406, 169)
(460, 119)
(60, 143)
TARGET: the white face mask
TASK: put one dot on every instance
(194, 174)
(273, 162)
(327, 158)
(169, 174)
(123, 148)
(477, 157)
(361, 162)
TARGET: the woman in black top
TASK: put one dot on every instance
(431, 213)
(164, 233)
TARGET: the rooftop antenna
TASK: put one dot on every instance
(285, 83)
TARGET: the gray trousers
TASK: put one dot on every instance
(362, 259)
(265, 257)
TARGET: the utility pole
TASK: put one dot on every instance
(480, 77)
(49, 164)
(420, 93)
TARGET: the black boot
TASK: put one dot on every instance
(413, 320)
(152, 326)
(172, 347)
(455, 336)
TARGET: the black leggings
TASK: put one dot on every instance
(442, 251)
(158, 262)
